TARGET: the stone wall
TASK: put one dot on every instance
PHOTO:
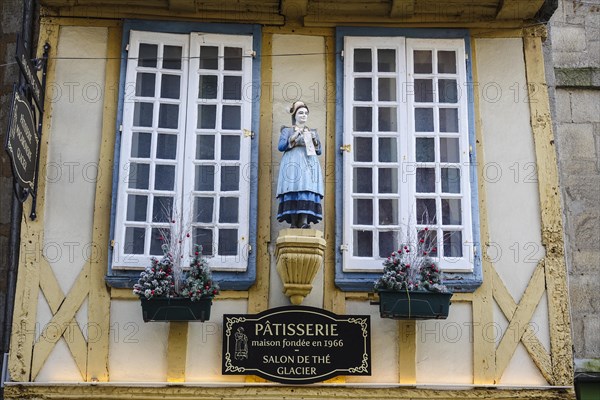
(573, 71)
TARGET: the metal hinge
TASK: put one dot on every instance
(343, 247)
(346, 147)
(112, 244)
(120, 128)
(342, 54)
(249, 249)
(248, 133)
(127, 47)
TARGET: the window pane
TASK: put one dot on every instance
(209, 57)
(363, 149)
(362, 60)
(144, 84)
(205, 178)
(387, 89)
(233, 58)
(386, 60)
(362, 89)
(448, 120)
(140, 144)
(168, 116)
(446, 62)
(388, 180)
(363, 119)
(232, 87)
(430, 242)
(205, 147)
(166, 147)
(388, 212)
(172, 57)
(207, 116)
(164, 177)
(230, 147)
(148, 55)
(142, 114)
(139, 176)
(450, 180)
(231, 117)
(204, 238)
(425, 180)
(424, 90)
(208, 87)
(388, 243)
(134, 240)
(426, 212)
(425, 150)
(423, 62)
(363, 211)
(363, 180)
(203, 209)
(228, 242)
(449, 150)
(137, 207)
(448, 91)
(228, 209)
(230, 178)
(388, 151)
(162, 209)
(424, 119)
(451, 212)
(157, 241)
(170, 86)
(363, 244)
(388, 119)
(453, 244)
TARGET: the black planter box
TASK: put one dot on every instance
(176, 309)
(414, 305)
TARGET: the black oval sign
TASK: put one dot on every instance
(22, 142)
(296, 345)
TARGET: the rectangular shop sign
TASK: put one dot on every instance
(296, 345)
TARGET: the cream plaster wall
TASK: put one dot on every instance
(510, 174)
(296, 78)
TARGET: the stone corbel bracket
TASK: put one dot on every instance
(299, 256)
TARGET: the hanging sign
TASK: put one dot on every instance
(296, 345)
(22, 142)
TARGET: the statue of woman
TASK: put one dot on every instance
(300, 184)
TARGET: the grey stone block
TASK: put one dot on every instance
(591, 327)
(576, 141)
(583, 189)
(569, 38)
(587, 105)
(582, 290)
(563, 106)
(585, 262)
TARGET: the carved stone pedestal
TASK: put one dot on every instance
(299, 256)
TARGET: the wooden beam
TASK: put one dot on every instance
(402, 8)
(177, 351)
(294, 9)
(407, 352)
(518, 9)
(182, 5)
(551, 217)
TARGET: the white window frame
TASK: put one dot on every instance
(406, 147)
(186, 146)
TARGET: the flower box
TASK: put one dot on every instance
(176, 309)
(413, 304)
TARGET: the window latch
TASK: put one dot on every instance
(346, 147)
(248, 133)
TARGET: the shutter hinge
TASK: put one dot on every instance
(342, 54)
(112, 244)
(248, 133)
(346, 147)
(249, 249)
(343, 247)
(120, 128)
(127, 47)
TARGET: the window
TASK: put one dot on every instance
(405, 116)
(186, 148)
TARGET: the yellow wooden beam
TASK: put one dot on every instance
(333, 299)
(552, 230)
(177, 351)
(518, 9)
(258, 294)
(182, 5)
(484, 352)
(32, 237)
(402, 8)
(519, 321)
(61, 321)
(262, 392)
(407, 352)
(536, 350)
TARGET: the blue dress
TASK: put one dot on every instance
(300, 183)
